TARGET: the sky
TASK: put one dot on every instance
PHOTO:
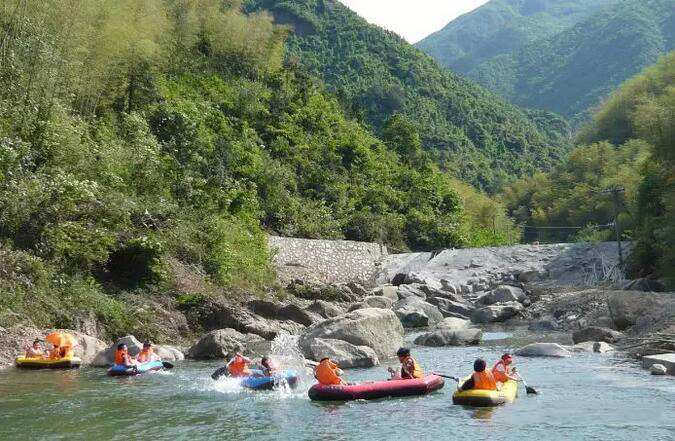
(412, 19)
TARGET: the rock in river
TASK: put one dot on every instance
(496, 313)
(453, 323)
(596, 333)
(502, 294)
(221, 343)
(345, 354)
(447, 337)
(543, 350)
(379, 329)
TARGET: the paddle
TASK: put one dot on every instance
(528, 389)
(220, 372)
(447, 376)
(167, 365)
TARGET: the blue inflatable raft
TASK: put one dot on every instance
(260, 382)
(118, 370)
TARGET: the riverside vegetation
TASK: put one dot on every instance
(144, 145)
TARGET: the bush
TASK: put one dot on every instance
(136, 263)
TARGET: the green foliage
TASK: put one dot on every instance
(592, 233)
(137, 262)
(187, 301)
(376, 76)
(563, 56)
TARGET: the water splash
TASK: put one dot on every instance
(286, 352)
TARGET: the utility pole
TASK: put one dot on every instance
(615, 191)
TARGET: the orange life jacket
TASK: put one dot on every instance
(55, 353)
(121, 357)
(501, 371)
(238, 367)
(144, 355)
(484, 380)
(66, 351)
(326, 373)
(416, 371)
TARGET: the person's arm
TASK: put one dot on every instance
(468, 384)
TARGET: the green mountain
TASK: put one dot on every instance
(571, 71)
(501, 27)
(375, 74)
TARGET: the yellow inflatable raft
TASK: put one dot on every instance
(44, 363)
(485, 398)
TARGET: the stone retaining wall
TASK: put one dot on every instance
(326, 261)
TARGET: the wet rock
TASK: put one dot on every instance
(658, 369)
(416, 313)
(502, 294)
(543, 350)
(453, 323)
(345, 354)
(222, 343)
(373, 302)
(545, 325)
(450, 308)
(406, 291)
(379, 329)
(325, 309)
(496, 313)
(666, 360)
(596, 333)
(599, 347)
(447, 337)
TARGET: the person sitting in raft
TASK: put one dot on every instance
(60, 352)
(238, 366)
(35, 351)
(410, 369)
(147, 354)
(269, 366)
(122, 357)
(327, 372)
(482, 378)
(503, 371)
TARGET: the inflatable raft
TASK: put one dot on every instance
(118, 370)
(486, 398)
(45, 363)
(260, 382)
(375, 390)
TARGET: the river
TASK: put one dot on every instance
(589, 397)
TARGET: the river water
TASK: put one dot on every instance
(589, 397)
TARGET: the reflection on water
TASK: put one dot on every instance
(585, 397)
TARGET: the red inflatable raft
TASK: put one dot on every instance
(379, 389)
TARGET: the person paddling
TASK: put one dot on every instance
(238, 366)
(410, 369)
(481, 378)
(503, 370)
(269, 366)
(147, 354)
(327, 372)
(122, 357)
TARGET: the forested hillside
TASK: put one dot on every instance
(375, 74)
(631, 145)
(139, 138)
(501, 27)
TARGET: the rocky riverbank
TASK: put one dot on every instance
(448, 296)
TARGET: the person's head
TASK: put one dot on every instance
(403, 352)
(36, 343)
(507, 358)
(324, 359)
(147, 345)
(56, 346)
(479, 365)
(121, 347)
(265, 361)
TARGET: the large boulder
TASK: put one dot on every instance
(451, 308)
(168, 353)
(407, 291)
(416, 313)
(264, 308)
(658, 369)
(373, 302)
(221, 343)
(447, 337)
(543, 350)
(496, 313)
(596, 333)
(666, 360)
(453, 323)
(345, 354)
(502, 294)
(296, 314)
(88, 348)
(379, 329)
(325, 309)
(629, 308)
